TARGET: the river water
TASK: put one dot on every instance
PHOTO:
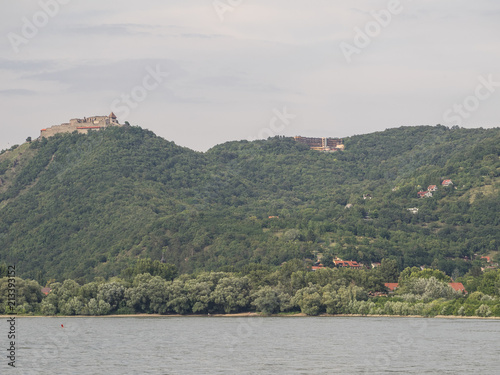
(253, 345)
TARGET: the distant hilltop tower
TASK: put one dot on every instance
(81, 125)
(322, 144)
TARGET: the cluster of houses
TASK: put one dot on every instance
(433, 188)
(490, 265)
(345, 264)
(339, 263)
(391, 287)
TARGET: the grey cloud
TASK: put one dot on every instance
(18, 92)
(94, 76)
(240, 83)
(27, 65)
(203, 36)
(114, 29)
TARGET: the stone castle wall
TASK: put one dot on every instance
(82, 126)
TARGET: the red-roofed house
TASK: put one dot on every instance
(488, 259)
(432, 188)
(391, 286)
(315, 268)
(459, 287)
(46, 291)
(346, 263)
(353, 264)
(339, 263)
(424, 194)
(447, 183)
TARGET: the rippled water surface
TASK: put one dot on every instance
(285, 345)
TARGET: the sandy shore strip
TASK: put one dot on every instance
(252, 314)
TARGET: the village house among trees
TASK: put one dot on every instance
(339, 263)
(433, 188)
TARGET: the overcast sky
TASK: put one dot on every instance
(202, 72)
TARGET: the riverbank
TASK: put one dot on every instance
(252, 314)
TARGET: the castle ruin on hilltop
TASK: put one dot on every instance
(81, 125)
(322, 144)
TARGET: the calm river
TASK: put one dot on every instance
(252, 345)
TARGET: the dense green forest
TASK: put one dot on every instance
(83, 206)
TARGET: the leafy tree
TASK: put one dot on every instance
(148, 294)
(270, 300)
(3, 270)
(72, 306)
(154, 268)
(341, 301)
(483, 310)
(416, 273)
(428, 288)
(98, 307)
(28, 294)
(309, 300)
(199, 293)
(48, 308)
(232, 294)
(388, 270)
(178, 299)
(490, 283)
(111, 293)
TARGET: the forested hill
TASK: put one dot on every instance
(79, 206)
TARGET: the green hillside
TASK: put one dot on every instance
(80, 206)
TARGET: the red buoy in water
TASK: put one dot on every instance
(62, 325)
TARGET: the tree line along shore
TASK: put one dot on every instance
(151, 287)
